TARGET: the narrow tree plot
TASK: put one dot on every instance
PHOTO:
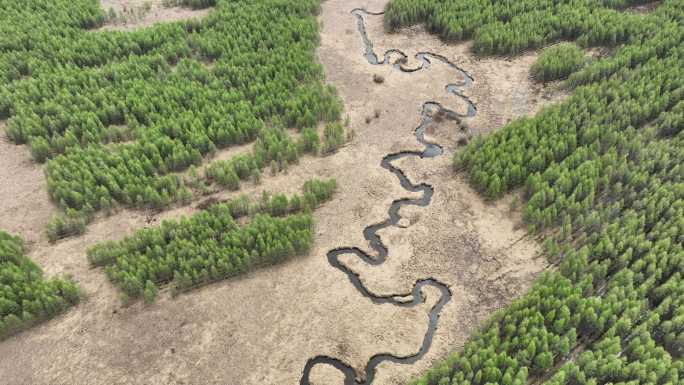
(210, 245)
(558, 62)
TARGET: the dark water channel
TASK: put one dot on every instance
(397, 59)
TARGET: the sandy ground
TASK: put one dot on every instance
(644, 8)
(263, 327)
(143, 13)
(25, 206)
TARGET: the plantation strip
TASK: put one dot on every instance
(210, 245)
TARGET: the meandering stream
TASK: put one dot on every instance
(397, 59)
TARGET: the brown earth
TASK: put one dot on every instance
(135, 14)
(644, 8)
(262, 328)
(25, 207)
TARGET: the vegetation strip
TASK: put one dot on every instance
(210, 245)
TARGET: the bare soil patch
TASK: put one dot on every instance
(644, 8)
(135, 14)
(25, 207)
(263, 327)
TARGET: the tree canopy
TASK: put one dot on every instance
(26, 297)
(210, 245)
(601, 175)
(117, 114)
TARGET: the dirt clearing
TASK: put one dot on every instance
(134, 14)
(25, 206)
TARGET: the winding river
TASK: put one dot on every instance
(397, 59)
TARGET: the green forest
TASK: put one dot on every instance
(211, 245)
(558, 62)
(603, 185)
(275, 148)
(116, 115)
(26, 297)
(512, 26)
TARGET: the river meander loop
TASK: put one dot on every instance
(430, 150)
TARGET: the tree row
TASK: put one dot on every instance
(210, 245)
(115, 115)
